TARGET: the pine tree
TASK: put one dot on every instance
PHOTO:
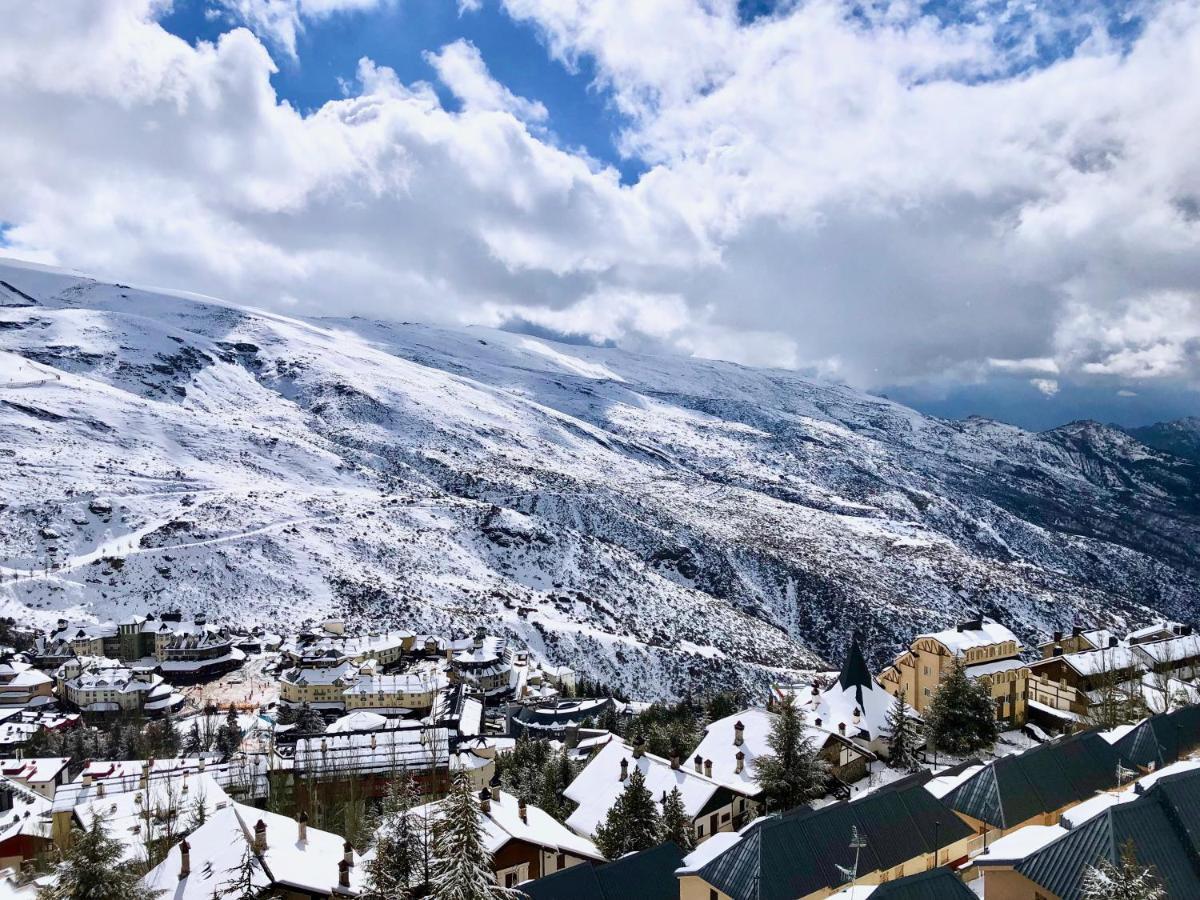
(309, 721)
(677, 825)
(229, 735)
(1128, 881)
(793, 772)
(244, 881)
(394, 868)
(462, 865)
(192, 745)
(902, 735)
(960, 718)
(88, 870)
(633, 822)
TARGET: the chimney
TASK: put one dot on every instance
(675, 762)
(99, 788)
(372, 740)
(1076, 630)
(201, 766)
(494, 786)
(639, 747)
(624, 769)
(959, 627)
(841, 727)
(479, 635)
(485, 801)
(741, 763)
(344, 874)
(739, 733)
(302, 825)
(817, 721)
(708, 768)
(857, 715)
(347, 854)
(185, 859)
(1057, 636)
(260, 837)
(1113, 640)
(523, 811)
(699, 763)
(1057, 650)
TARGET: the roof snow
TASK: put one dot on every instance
(958, 642)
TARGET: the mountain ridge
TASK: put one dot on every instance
(662, 522)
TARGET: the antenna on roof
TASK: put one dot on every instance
(857, 843)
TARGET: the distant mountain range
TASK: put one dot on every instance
(664, 523)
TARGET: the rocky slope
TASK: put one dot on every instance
(668, 524)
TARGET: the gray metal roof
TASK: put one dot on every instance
(800, 852)
(1047, 777)
(649, 874)
(936, 884)
(1162, 739)
(1162, 826)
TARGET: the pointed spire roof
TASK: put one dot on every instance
(855, 673)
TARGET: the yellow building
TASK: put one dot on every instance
(987, 651)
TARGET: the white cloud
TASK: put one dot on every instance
(460, 67)
(469, 6)
(876, 197)
(281, 21)
(1047, 386)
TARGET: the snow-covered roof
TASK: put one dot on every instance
(503, 823)
(1172, 650)
(38, 770)
(710, 850)
(854, 700)
(1020, 844)
(597, 787)
(217, 850)
(29, 815)
(941, 785)
(718, 746)
(959, 641)
(1097, 662)
(360, 720)
(408, 683)
(410, 746)
(994, 666)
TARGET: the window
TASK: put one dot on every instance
(924, 670)
(700, 829)
(560, 861)
(712, 894)
(928, 692)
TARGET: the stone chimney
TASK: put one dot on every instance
(494, 787)
(1113, 640)
(741, 763)
(624, 769)
(739, 734)
(347, 854)
(699, 763)
(185, 859)
(523, 811)
(857, 715)
(1076, 631)
(1057, 651)
(639, 747)
(485, 801)
(841, 727)
(1057, 636)
(675, 761)
(708, 768)
(99, 788)
(343, 874)
(260, 837)
(302, 825)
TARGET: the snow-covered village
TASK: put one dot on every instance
(192, 759)
(599, 450)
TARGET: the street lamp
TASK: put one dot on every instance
(937, 826)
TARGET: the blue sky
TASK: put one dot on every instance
(397, 34)
(976, 208)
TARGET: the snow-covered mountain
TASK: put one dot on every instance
(1180, 437)
(665, 523)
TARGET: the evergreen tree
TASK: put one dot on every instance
(88, 870)
(193, 745)
(229, 735)
(633, 823)
(245, 881)
(720, 705)
(609, 720)
(960, 717)
(394, 868)
(902, 735)
(1128, 881)
(309, 721)
(677, 825)
(793, 772)
(462, 865)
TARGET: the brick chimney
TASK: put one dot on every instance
(485, 801)
(185, 859)
(699, 763)
(708, 768)
(741, 763)
(739, 734)
(523, 811)
(624, 769)
(260, 837)
(302, 825)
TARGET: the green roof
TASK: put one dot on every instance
(649, 875)
(1016, 788)
(780, 858)
(936, 884)
(1163, 826)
